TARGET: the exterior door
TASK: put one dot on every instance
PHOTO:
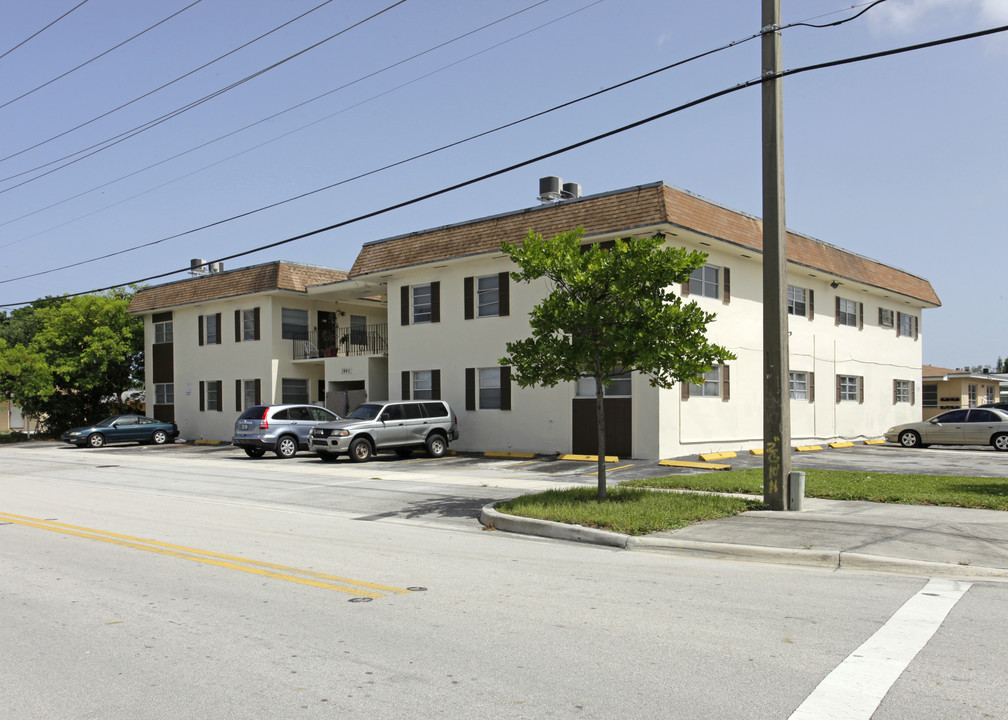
(619, 426)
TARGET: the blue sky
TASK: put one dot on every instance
(900, 159)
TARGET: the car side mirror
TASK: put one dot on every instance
(385, 417)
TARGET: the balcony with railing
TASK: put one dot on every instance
(342, 342)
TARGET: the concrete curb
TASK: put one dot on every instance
(827, 559)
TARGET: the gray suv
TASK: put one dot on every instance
(281, 428)
(401, 426)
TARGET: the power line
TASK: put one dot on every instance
(559, 151)
(96, 57)
(39, 32)
(116, 139)
(311, 100)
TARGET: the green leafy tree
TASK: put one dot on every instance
(609, 311)
(73, 358)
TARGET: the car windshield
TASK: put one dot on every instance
(367, 411)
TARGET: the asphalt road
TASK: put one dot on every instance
(192, 582)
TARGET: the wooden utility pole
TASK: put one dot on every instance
(776, 395)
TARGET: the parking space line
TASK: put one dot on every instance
(256, 567)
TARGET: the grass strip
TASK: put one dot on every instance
(632, 511)
(907, 489)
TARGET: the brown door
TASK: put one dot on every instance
(619, 430)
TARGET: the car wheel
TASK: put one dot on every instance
(404, 452)
(360, 450)
(437, 446)
(909, 439)
(286, 447)
(1000, 442)
(254, 452)
(160, 437)
(96, 440)
(327, 457)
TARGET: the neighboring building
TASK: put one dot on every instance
(11, 417)
(949, 389)
(855, 335)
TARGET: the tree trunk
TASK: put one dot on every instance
(600, 416)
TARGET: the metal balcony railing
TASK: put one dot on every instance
(343, 342)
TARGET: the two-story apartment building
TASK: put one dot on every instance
(449, 305)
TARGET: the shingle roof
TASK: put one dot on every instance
(244, 281)
(623, 211)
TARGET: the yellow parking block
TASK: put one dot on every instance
(880, 441)
(695, 465)
(503, 454)
(841, 444)
(588, 458)
(707, 457)
(808, 448)
(756, 451)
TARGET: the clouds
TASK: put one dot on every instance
(903, 16)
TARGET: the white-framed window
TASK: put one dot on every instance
(990, 394)
(705, 281)
(213, 395)
(421, 296)
(797, 301)
(885, 317)
(249, 397)
(294, 390)
(798, 385)
(490, 388)
(248, 325)
(971, 391)
(488, 296)
(620, 387)
(423, 385)
(903, 391)
(710, 387)
(848, 388)
(164, 393)
(163, 332)
(293, 324)
(847, 312)
(906, 324)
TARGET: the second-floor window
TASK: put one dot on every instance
(906, 324)
(420, 304)
(246, 325)
(705, 281)
(799, 301)
(847, 312)
(487, 296)
(209, 329)
(294, 324)
(163, 332)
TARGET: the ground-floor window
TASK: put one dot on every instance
(800, 386)
(620, 386)
(850, 388)
(903, 391)
(294, 390)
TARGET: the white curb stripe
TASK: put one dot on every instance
(856, 687)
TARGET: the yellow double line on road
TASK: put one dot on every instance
(271, 570)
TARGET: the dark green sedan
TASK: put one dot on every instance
(122, 428)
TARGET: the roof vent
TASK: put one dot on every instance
(553, 189)
(198, 266)
(216, 267)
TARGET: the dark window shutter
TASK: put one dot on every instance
(895, 391)
(836, 314)
(467, 298)
(258, 391)
(725, 383)
(238, 396)
(860, 316)
(470, 388)
(860, 389)
(896, 324)
(435, 302)
(255, 322)
(916, 324)
(202, 393)
(220, 396)
(404, 305)
(880, 316)
(503, 294)
(685, 288)
(405, 385)
(238, 326)
(727, 285)
(505, 387)
(200, 323)
(684, 390)
(811, 387)
(838, 388)
(435, 381)
(913, 393)
(811, 304)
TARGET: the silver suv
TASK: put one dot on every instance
(281, 428)
(401, 426)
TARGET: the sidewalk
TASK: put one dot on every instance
(909, 539)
